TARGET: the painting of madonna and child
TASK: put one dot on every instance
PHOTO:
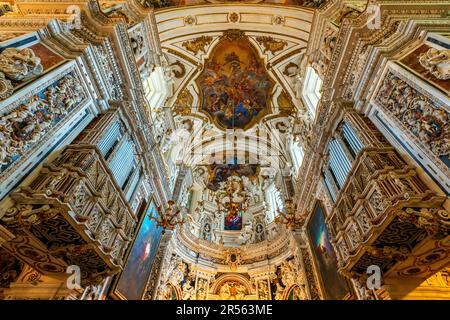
(234, 84)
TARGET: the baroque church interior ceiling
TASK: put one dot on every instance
(224, 150)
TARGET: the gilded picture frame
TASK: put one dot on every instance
(333, 286)
(131, 282)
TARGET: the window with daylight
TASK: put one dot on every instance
(297, 155)
(156, 88)
(275, 202)
(311, 90)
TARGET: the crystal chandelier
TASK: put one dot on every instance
(288, 218)
(169, 218)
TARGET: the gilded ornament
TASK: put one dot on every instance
(198, 44)
(278, 20)
(22, 127)
(271, 45)
(189, 20)
(234, 17)
(233, 34)
(424, 118)
(17, 65)
(183, 104)
(233, 258)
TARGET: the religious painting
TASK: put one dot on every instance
(334, 285)
(425, 62)
(233, 216)
(131, 283)
(235, 87)
(219, 173)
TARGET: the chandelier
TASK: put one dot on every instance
(169, 218)
(288, 218)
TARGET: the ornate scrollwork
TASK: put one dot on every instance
(233, 34)
(6, 87)
(26, 215)
(263, 290)
(271, 45)
(434, 220)
(19, 64)
(198, 44)
(202, 289)
(233, 258)
(399, 253)
(378, 201)
(309, 273)
(422, 116)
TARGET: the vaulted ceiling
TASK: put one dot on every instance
(236, 67)
(278, 34)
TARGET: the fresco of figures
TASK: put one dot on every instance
(235, 87)
(220, 172)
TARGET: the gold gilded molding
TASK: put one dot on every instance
(233, 34)
(183, 103)
(271, 45)
(234, 17)
(198, 44)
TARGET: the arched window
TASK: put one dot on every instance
(311, 89)
(275, 202)
(297, 155)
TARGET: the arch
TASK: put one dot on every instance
(294, 292)
(232, 277)
(175, 292)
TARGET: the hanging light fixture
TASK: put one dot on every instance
(288, 218)
(169, 218)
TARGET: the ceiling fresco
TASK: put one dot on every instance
(219, 173)
(234, 85)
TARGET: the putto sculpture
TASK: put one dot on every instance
(17, 65)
